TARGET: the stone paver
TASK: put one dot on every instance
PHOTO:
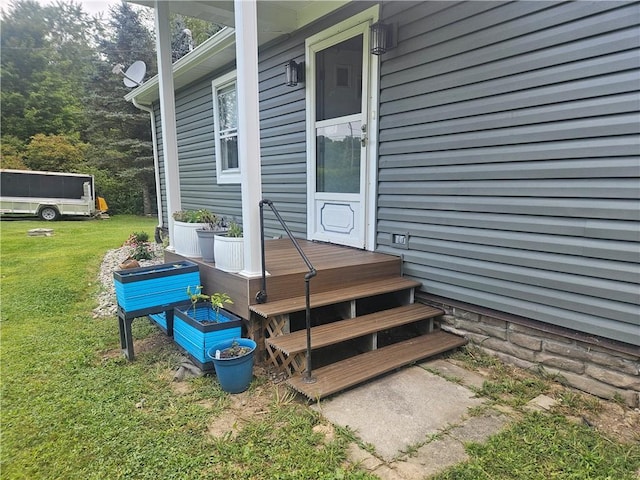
(541, 403)
(450, 370)
(432, 458)
(479, 429)
(417, 422)
(400, 410)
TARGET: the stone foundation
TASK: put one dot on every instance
(595, 369)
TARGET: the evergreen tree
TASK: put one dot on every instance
(120, 134)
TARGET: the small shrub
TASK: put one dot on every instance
(235, 230)
(140, 247)
(194, 216)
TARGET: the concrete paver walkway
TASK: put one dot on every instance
(417, 422)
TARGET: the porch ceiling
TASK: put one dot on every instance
(275, 18)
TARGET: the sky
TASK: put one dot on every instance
(92, 7)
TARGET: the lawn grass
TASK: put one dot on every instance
(73, 408)
(543, 446)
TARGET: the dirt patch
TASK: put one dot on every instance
(147, 344)
(327, 430)
(616, 422)
(245, 407)
(181, 388)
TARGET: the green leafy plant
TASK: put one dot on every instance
(193, 216)
(212, 221)
(196, 296)
(235, 230)
(217, 300)
(235, 350)
(140, 247)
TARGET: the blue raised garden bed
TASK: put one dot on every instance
(156, 286)
(160, 319)
(197, 332)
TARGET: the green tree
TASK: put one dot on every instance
(55, 153)
(120, 134)
(187, 33)
(46, 55)
(12, 152)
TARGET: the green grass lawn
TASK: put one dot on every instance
(73, 408)
(70, 405)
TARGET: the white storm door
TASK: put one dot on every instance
(337, 86)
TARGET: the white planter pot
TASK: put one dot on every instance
(185, 238)
(229, 253)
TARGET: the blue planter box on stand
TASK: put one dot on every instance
(157, 285)
(153, 290)
(197, 332)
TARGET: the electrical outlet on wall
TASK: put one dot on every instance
(400, 240)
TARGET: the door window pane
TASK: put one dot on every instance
(339, 79)
(338, 158)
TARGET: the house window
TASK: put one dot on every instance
(225, 119)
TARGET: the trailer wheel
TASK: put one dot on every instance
(49, 214)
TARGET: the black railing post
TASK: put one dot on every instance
(308, 377)
(261, 296)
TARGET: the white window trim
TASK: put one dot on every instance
(229, 175)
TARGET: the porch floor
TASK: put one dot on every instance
(286, 270)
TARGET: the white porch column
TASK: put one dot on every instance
(167, 113)
(246, 24)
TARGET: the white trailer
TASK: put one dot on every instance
(48, 195)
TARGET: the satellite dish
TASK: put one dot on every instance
(135, 74)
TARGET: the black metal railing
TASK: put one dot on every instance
(261, 296)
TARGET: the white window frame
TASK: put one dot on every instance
(230, 175)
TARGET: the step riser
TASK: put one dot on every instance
(336, 332)
(293, 285)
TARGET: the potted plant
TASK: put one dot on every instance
(203, 323)
(229, 249)
(206, 235)
(185, 225)
(233, 362)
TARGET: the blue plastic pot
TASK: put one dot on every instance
(234, 374)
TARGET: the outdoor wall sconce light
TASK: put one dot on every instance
(381, 38)
(293, 73)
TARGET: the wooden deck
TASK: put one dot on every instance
(336, 266)
(365, 322)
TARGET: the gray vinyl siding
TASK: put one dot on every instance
(282, 138)
(508, 151)
(283, 127)
(163, 191)
(196, 153)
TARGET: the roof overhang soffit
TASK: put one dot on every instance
(275, 16)
(275, 19)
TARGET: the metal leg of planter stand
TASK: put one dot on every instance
(126, 340)
(168, 315)
(121, 328)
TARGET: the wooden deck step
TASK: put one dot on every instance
(368, 289)
(355, 370)
(339, 331)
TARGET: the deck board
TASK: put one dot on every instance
(334, 332)
(297, 304)
(355, 370)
